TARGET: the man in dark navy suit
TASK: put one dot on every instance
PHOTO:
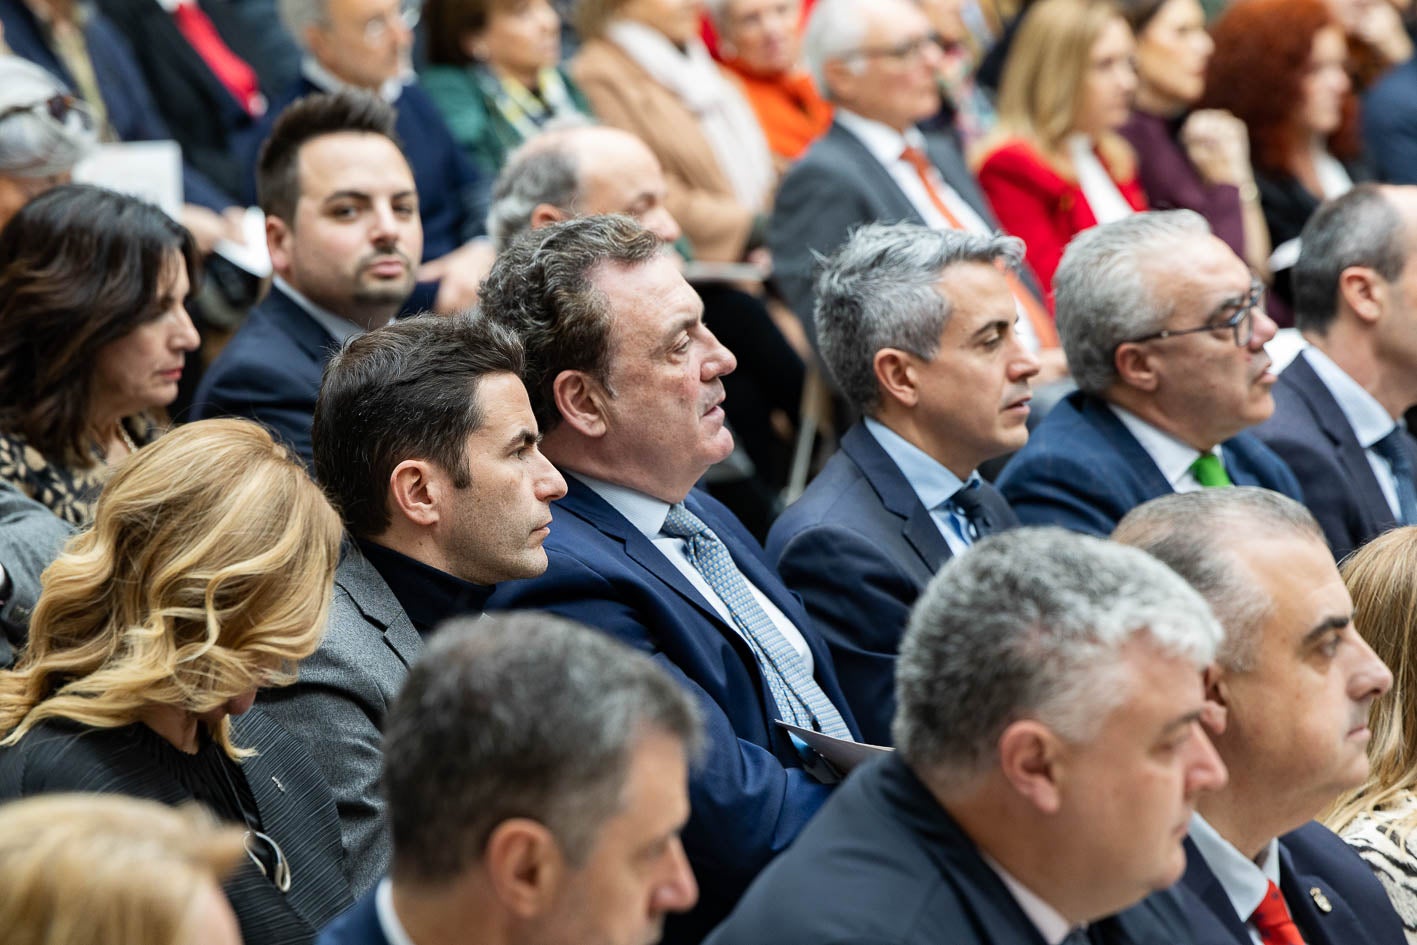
(1338, 405)
(1295, 681)
(1164, 328)
(625, 384)
(536, 775)
(344, 236)
(1048, 756)
(916, 327)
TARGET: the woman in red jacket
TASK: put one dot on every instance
(1057, 165)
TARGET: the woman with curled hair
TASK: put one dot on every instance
(205, 575)
(93, 338)
(1379, 818)
(1056, 165)
(1279, 66)
(79, 869)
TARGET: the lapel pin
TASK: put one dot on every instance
(1320, 899)
(281, 788)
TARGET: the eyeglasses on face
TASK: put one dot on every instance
(1239, 317)
(909, 52)
(377, 29)
(60, 108)
(269, 858)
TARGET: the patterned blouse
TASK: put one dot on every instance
(69, 493)
(1392, 854)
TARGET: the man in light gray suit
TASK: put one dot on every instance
(425, 441)
(877, 61)
(30, 538)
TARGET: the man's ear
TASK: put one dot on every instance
(1364, 292)
(278, 243)
(545, 214)
(525, 866)
(1135, 367)
(581, 400)
(1031, 757)
(895, 376)
(1217, 698)
(841, 76)
(415, 492)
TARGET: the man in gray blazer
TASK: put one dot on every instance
(426, 443)
(30, 538)
(876, 60)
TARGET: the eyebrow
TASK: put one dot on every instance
(683, 324)
(522, 438)
(364, 195)
(998, 324)
(1185, 721)
(1335, 622)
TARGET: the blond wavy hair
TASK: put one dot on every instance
(206, 573)
(78, 869)
(1382, 579)
(1041, 95)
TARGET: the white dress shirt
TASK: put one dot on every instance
(1098, 188)
(341, 329)
(647, 514)
(1245, 881)
(934, 485)
(1370, 422)
(1170, 455)
(1048, 921)
(388, 919)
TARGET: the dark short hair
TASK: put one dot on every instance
(518, 715)
(304, 120)
(451, 20)
(540, 288)
(1360, 228)
(80, 267)
(1139, 13)
(404, 391)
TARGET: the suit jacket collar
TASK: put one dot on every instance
(896, 494)
(307, 334)
(879, 179)
(1098, 413)
(376, 602)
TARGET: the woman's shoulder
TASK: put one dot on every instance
(64, 755)
(1016, 157)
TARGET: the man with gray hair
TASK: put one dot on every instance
(1164, 328)
(1294, 681)
(917, 328)
(1338, 406)
(536, 776)
(1049, 754)
(878, 61)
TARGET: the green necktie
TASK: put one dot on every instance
(1210, 471)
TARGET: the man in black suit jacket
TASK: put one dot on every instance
(1338, 406)
(857, 172)
(344, 236)
(1049, 754)
(1295, 681)
(916, 327)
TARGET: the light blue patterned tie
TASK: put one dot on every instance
(798, 697)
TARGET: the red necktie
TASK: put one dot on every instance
(1043, 327)
(1272, 920)
(230, 69)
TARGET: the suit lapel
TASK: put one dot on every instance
(378, 605)
(1096, 411)
(1337, 926)
(294, 321)
(895, 493)
(878, 180)
(1202, 882)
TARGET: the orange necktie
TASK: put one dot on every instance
(1043, 327)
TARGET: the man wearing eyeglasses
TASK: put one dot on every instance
(1164, 329)
(365, 44)
(1339, 404)
(879, 63)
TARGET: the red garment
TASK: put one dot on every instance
(1273, 921)
(1040, 207)
(230, 69)
(788, 107)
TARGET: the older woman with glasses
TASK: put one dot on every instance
(206, 575)
(44, 132)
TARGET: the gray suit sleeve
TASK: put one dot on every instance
(338, 707)
(31, 537)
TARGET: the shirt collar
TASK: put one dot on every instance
(1370, 422)
(1245, 881)
(1170, 455)
(1048, 921)
(388, 919)
(645, 512)
(327, 81)
(341, 329)
(932, 482)
(429, 596)
(883, 141)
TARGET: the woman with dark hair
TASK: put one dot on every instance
(1279, 66)
(495, 73)
(93, 337)
(1192, 160)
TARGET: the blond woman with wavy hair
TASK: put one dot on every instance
(79, 869)
(1056, 164)
(206, 575)
(1379, 819)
